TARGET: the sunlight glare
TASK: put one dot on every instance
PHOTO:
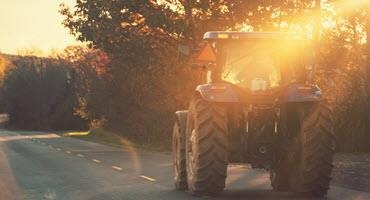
(25, 137)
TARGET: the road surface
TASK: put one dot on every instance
(35, 165)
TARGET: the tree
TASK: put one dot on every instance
(141, 38)
(36, 94)
(88, 79)
(368, 36)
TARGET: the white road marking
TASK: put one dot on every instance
(95, 160)
(80, 155)
(50, 146)
(147, 178)
(58, 149)
(117, 168)
(68, 152)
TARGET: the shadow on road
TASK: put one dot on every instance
(260, 194)
(241, 195)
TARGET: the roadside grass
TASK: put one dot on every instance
(110, 138)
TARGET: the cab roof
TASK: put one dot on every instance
(217, 35)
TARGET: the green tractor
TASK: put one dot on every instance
(258, 104)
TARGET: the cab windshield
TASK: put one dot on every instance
(256, 65)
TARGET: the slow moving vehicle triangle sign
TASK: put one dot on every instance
(207, 54)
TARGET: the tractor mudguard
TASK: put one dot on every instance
(302, 93)
(218, 92)
(182, 117)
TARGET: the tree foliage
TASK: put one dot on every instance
(146, 82)
(36, 94)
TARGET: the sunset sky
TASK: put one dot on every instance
(32, 24)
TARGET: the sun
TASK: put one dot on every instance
(328, 23)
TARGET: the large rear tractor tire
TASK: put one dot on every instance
(206, 147)
(315, 148)
(178, 151)
(308, 165)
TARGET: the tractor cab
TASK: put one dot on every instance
(257, 63)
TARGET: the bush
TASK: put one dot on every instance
(37, 94)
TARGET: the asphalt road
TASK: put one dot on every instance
(36, 165)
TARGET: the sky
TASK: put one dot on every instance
(33, 24)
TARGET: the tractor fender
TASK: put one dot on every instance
(218, 92)
(302, 93)
(181, 117)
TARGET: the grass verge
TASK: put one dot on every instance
(110, 138)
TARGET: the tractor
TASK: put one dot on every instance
(257, 104)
